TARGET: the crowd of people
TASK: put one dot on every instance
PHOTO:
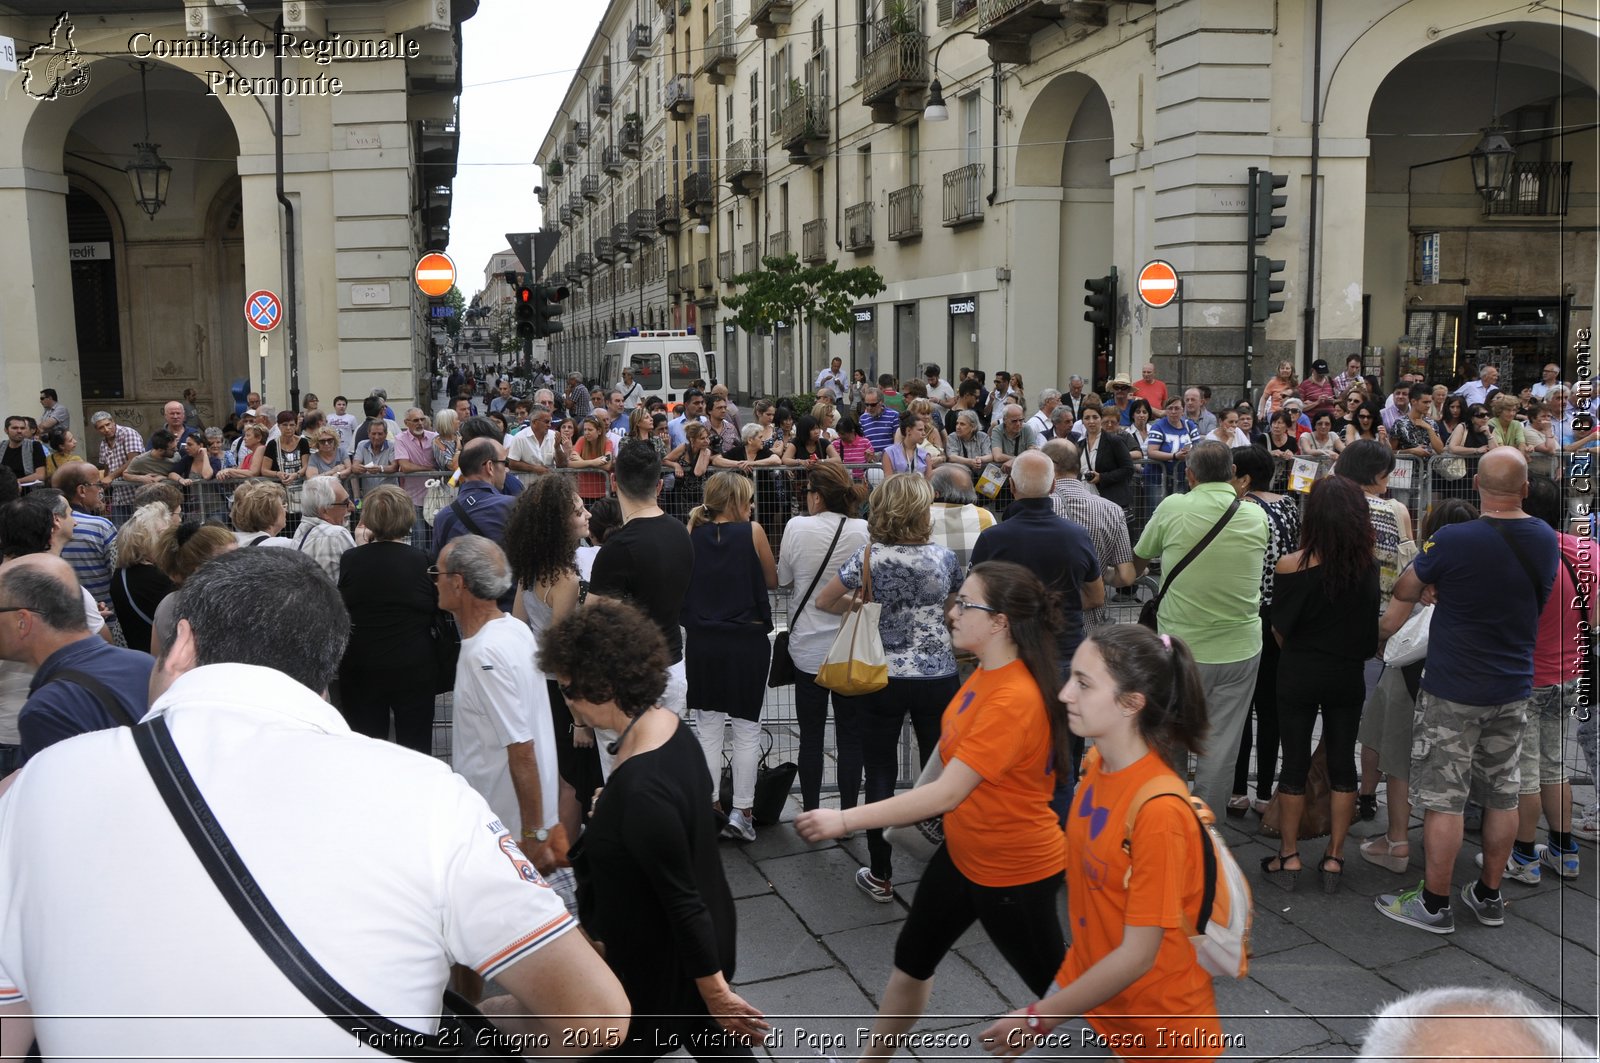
(592, 578)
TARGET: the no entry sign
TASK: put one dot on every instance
(262, 310)
(435, 274)
(1158, 284)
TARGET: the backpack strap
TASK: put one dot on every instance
(99, 691)
(465, 518)
(1161, 787)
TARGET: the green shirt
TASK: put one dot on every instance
(1215, 604)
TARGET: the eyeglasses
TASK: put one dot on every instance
(1475, 416)
(962, 605)
(340, 504)
(15, 609)
(434, 572)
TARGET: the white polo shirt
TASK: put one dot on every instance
(524, 448)
(501, 699)
(384, 863)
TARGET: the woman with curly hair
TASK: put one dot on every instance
(1325, 617)
(547, 526)
(651, 887)
(138, 585)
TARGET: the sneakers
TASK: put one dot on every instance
(877, 888)
(1586, 824)
(1518, 867)
(1408, 908)
(739, 828)
(1489, 913)
(1563, 864)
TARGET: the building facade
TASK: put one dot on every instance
(702, 135)
(121, 307)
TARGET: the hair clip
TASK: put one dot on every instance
(1166, 640)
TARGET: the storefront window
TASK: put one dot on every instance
(864, 342)
(963, 333)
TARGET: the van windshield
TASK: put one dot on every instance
(685, 367)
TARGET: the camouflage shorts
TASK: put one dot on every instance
(1460, 749)
(1544, 741)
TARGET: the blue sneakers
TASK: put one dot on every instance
(1561, 863)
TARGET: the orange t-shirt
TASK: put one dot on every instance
(1004, 833)
(1174, 1001)
(1154, 392)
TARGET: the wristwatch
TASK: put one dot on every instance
(540, 835)
(1033, 1019)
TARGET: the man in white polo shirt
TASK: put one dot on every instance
(382, 862)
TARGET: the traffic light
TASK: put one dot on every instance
(1264, 204)
(1101, 300)
(526, 314)
(1263, 288)
(547, 307)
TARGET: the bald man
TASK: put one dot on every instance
(80, 682)
(1492, 577)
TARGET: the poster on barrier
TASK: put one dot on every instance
(1400, 478)
(1304, 473)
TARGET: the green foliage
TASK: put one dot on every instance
(785, 291)
(453, 297)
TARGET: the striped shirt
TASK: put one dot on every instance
(1107, 526)
(92, 553)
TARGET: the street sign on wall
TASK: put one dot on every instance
(262, 310)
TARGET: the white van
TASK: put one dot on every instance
(665, 362)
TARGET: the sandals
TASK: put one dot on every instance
(1380, 849)
(1238, 805)
(1331, 879)
(1291, 875)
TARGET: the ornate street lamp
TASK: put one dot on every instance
(936, 111)
(1492, 159)
(148, 173)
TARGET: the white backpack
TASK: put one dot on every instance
(1221, 934)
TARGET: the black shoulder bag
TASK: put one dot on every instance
(781, 673)
(1147, 615)
(462, 1028)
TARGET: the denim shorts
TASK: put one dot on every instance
(1543, 760)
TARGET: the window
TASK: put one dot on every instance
(94, 301)
(913, 147)
(972, 127)
(864, 157)
(863, 36)
(755, 104)
(646, 369)
(702, 142)
(727, 115)
(683, 368)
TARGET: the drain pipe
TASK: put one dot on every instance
(1309, 322)
(291, 303)
(994, 165)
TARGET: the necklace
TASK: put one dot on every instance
(612, 747)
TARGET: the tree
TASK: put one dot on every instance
(786, 292)
(458, 302)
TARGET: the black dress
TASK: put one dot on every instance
(726, 617)
(651, 887)
(392, 604)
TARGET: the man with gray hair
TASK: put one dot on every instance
(233, 704)
(1476, 1022)
(1041, 421)
(1103, 519)
(1215, 607)
(502, 735)
(958, 520)
(579, 404)
(322, 535)
(119, 445)
(1075, 395)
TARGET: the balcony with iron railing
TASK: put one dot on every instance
(685, 278)
(803, 122)
(567, 216)
(905, 213)
(642, 224)
(1534, 190)
(768, 17)
(778, 244)
(814, 241)
(576, 203)
(719, 57)
(698, 191)
(630, 138)
(680, 96)
(591, 187)
(1009, 25)
(750, 255)
(858, 227)
(895, 72)
(570, 151)
(963, 195)
(555, 170)
(611, 160)
(580, 133)
(639, 43)
(622, 238)
(744, 166)
(725, 270)
(604, 251)
(600, 100)
(669, 212)
(669, 19)
(703, 268)
(585, 263)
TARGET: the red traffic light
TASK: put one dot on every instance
(524, 294)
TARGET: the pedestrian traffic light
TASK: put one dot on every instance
(1263, 288)
(547, 308)
(1264, 204)
(1101, 300)
(525, 310)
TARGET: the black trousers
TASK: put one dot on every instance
(811, 710)
(882, 716)
(1266, 713)
(368, 714)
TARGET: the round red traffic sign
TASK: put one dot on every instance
(262, 310)
(1158, 284)
(435, 274)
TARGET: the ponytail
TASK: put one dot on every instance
(1174, 720)
(699, 515)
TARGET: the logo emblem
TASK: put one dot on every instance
(56, 70)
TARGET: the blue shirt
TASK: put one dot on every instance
(676, 425)
(880, 429)
(488, 508)
(1055, 549)
(1480, 643)
(58, 710)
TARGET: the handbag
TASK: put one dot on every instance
(440, 495)
(1148, 613)
(446, 638)
(774, 782)
(781, 672)
(1316, 816)
(1450, 467)
(856, 663)
(922, 839)
(463, 1031)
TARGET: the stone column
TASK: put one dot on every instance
(39, 341)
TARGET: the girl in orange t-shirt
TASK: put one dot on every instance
(1003, 856)
(1131, 972)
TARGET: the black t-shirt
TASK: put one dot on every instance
(648, 561)
(291, 461)
(13, 457)
(136, 591)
